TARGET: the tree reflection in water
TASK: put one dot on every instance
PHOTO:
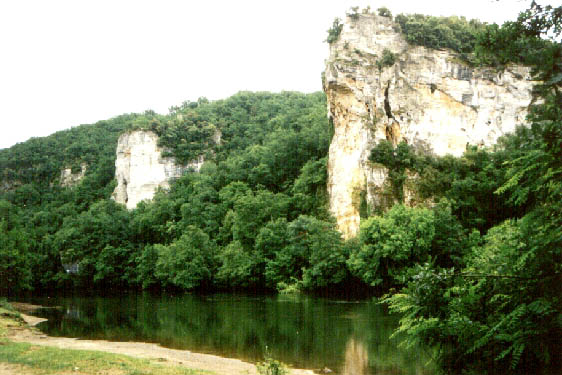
(346, 337)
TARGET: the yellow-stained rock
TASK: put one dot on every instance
(428, 98)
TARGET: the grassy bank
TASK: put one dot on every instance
(24, 358)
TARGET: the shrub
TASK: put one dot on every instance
(498, 315)
(187, 262)
(15, 270)
(454, 33)
(4, 304)
(392, 243)
(271, 366)
(305, 249)
(335, 31)
(388, 59)
(384, 12)
(354, 13)
(237, 266)
(6, 309)
(398, 160)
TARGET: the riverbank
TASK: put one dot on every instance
(25, 350)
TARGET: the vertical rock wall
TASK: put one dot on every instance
(140, 168)
(428, 98)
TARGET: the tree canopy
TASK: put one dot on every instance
(475, 268)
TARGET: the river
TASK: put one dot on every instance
(347, 337)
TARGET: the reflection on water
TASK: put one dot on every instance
(348, 337)
(356, 358)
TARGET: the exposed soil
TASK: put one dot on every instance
(219, 365)
(8, 369)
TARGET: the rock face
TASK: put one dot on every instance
(140, 168)
(428, 98)
(68, 179)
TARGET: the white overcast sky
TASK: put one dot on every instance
(65, 63)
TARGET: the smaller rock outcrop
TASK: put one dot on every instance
(140, 168)
(68, 179)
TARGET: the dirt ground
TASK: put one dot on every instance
(216, 364)
(7, 369)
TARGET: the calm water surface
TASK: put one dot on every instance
(348, 337)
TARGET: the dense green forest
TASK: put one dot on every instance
(476, 272)
(231, 222)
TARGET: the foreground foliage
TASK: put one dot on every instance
(501, 312)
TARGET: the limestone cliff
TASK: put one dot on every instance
(428, 98)
(140, 168)
(68, 179)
